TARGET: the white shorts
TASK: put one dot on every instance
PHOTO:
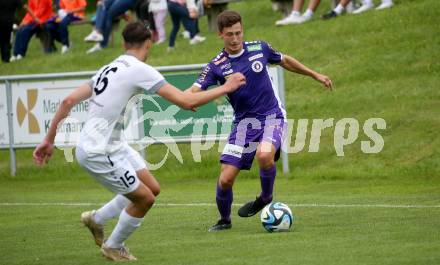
(117, 171)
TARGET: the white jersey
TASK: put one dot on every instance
(113, 86)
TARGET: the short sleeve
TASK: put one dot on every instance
(149, 79)
(206, 78)
(273, 55)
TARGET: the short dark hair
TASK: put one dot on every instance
(227, 19)
(136, 33)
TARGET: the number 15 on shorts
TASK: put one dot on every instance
(127, 179)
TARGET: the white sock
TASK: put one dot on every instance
(295, 13)
(308, 13)
(367, 2)
(338, 9)
(111, 209)
(125, 227)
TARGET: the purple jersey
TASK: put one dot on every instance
(257, 98)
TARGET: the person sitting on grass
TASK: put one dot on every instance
(70, 11)
(111, 9)
(38, 12)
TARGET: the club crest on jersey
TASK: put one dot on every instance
(257, 66)
(253, 48)
(256, 56)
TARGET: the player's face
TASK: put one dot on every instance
(233, 38)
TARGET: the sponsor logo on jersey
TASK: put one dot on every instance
(253, 48)
(257, 66)
(218, 56)
(220, 61)
(259, 55)
(233, 150)
(203, 74)
(230, 71)
(225, 66)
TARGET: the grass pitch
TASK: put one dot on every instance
(337, 221)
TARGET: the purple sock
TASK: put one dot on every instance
(224, 202)
(267, 177)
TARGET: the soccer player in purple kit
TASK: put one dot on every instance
(259, 117)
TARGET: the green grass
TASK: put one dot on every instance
(338, 221)
(177, 234)
(383, 64)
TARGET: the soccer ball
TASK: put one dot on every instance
(276, 217)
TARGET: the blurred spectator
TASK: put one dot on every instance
(201, 12)
(337, 10)
(96, 35)
(38, 13)
(7, 15)
(109, 10)
(368, 4)
(184, 11)
(56, 4)
(70, 11)
(143, 14)
(295, 16)
(159, 9)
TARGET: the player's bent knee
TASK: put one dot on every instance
(148, 180)
(156, 190)
(265, 159)
(142, 197)
(149, 200)
(226, 183)
(146, 202)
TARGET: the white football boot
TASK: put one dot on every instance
(117, 254)
(96, 229)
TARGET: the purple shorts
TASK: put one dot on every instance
(245, 136)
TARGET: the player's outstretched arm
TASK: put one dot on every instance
(291, 64)
(191, 101)
(44, 150)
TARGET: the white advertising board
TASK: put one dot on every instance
(4, 132)
(35, 104)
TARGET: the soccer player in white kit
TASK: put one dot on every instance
(102, 151)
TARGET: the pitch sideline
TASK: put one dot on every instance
(303, 205)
